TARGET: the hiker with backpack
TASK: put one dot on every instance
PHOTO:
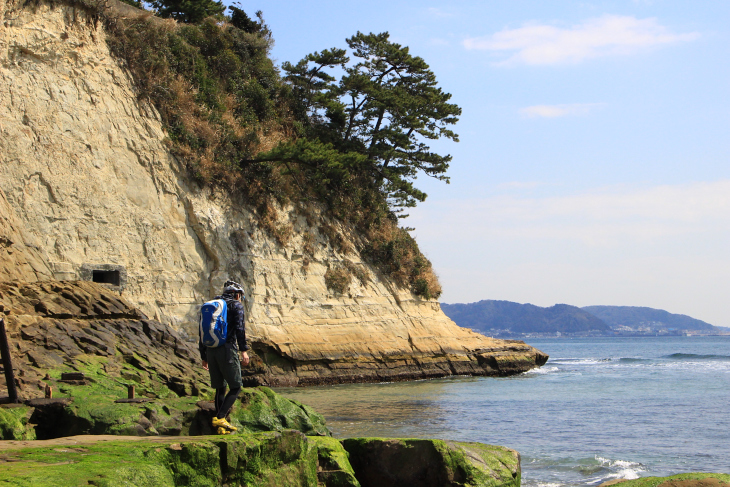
(222, 335)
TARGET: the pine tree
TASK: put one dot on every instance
(384, 109)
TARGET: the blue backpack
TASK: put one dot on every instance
(213, 321)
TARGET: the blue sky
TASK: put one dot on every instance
(595, 140)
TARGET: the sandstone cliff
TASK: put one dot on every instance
(89, 191)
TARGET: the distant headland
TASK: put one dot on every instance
(507, 319)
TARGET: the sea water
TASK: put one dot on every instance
(600, 409)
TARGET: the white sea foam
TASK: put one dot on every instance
(621, 469)
(579, 361)
(541, 371)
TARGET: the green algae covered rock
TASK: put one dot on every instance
(381, 462)
(334, 465)
(98, 406)
(285, 458)
(281, 458)
(262, 409)
(14, 422)
(485, 465)
(696, 479)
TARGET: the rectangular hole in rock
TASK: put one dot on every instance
(106, 277)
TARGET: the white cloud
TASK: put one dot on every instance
(602, 217)
(539, 44)
(554, 111)
(438, 13)
(520, 185)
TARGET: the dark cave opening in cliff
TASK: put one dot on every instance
(106, 277)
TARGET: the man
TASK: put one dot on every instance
(222, 362)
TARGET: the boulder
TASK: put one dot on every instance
(380, 462)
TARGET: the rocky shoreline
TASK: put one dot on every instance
(86, 348)
(52, 323)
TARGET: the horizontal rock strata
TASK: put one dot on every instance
(66, 326)
(89, 191)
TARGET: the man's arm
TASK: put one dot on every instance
(241, 333)
(240, 326)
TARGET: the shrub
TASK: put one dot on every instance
(397, 254)
(337, 279)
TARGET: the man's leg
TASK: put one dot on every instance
(220, 394)
(217, 366)
(228, 402)
(232, 373)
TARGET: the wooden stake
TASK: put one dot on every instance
(49, 392)
(130, 392)
(7, 363)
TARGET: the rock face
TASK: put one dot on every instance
(71, 325)
(89, 191)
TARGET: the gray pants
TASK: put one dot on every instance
(224, 367)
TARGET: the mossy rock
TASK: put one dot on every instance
(484, 465)
(91, 408)
(261, 409)
(334, 464)
(681, 480)
(15, 424)
(262, 459)
(382, 462)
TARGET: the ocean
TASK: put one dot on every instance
(600, 409)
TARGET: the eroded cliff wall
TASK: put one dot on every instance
(88, 186)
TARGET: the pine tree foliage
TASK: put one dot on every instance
(383, 110)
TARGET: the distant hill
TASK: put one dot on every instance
(639, 317)
(505, 317)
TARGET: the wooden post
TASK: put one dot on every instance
(49, 392)
(130, 392)
(7, 363)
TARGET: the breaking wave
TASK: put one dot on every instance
(541, 371)
(621, 469)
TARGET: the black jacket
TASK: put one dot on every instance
(236, 326)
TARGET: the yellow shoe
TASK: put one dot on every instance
(223, 431)
(222, 423)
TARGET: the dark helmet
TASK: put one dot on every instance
(232, 287)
